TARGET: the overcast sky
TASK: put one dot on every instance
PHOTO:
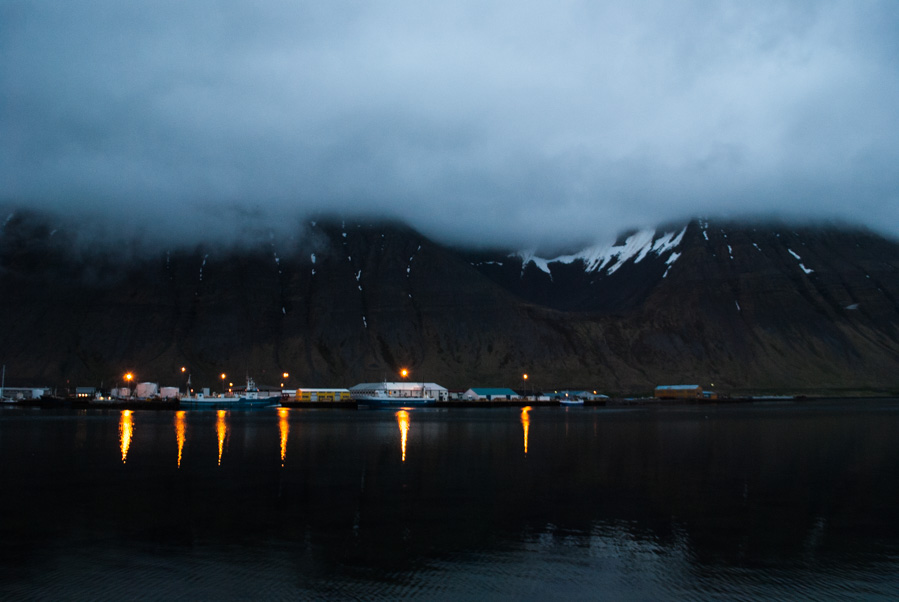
(513, 121)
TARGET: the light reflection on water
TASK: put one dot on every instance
(284, 428)
(126, 430)
(796, 502)
(221, 429)
(525, 425)
(180, 432)
(402, 419)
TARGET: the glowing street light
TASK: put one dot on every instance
(404, 373)
(223, 375)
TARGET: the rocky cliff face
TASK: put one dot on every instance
(743, 307)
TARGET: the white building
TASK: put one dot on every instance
(401, 389)
(24, 392)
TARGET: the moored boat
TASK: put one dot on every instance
(253, 396)
(209, 401)
(382, 399)
(571, 401)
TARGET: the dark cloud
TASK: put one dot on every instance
(509, 122)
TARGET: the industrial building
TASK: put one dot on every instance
(401, 389)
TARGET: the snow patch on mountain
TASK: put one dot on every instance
(611, 257)
(529, 257)
(801, 265)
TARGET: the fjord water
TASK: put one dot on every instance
(771, 501)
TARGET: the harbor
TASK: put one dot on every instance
(484, 502)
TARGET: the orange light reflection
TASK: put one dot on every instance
(402, 419)
(221, 428)
(284, 427)
(126, 431)
(525, 424)
(180, 432)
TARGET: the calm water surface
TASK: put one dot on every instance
(763, 501)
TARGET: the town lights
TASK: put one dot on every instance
(404, 373)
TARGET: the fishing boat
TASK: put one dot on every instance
(571, 401)
(209, 401)
(253, 396)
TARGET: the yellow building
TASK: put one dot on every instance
(322, 395)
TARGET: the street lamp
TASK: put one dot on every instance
(223, 382)
(128, 378)
(404, 373)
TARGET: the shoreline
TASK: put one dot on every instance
(75, 404)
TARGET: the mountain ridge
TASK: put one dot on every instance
(747, 307)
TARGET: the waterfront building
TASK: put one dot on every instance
(400, 389)
(22, 393)
(678, 392)
(491, 394)
(321, 395)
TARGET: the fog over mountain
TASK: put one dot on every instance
(524, 125)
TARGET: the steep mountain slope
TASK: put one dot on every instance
(742, 307)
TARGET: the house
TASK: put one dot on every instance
(488, 394)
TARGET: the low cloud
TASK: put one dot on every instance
(497, 122)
